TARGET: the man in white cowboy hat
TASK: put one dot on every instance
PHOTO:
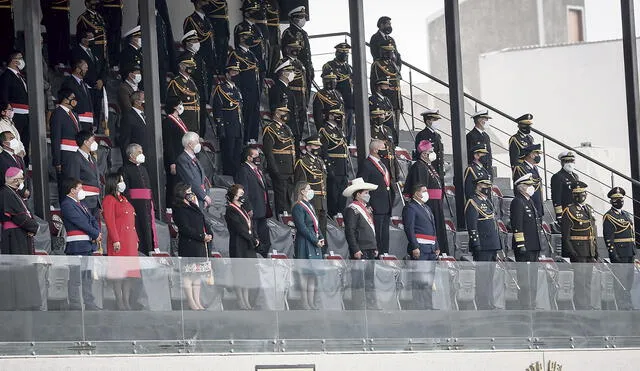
(358, 220)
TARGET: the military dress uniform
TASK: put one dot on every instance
(525, 243)
(298, 90)
(336, 154)
(619, 236)
(91, 21)
(131, 56)
(184, 89)
(386, 69)
(484, 241)
(561, 188)
(475, 137)
(312, 170)
(248, 81)
(384, 133)
(377, 100)
(295, 33)
(227, 104)
(431, 135)
(526, 168)
(326, 100)
(55, 18)
(217, 12)
(280, 95)
(279, 151)
(258, 49)
(344, 84)
(273, 29)
(473, 173)
(579, 244)
(111, 12)
(520, 140)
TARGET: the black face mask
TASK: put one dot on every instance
(315, 152)
(486, 191)
(342, 57)
(383, 153)
(330, 84)
(377, 120)
(242, 199)
(339, 120)
(256, 161)
(387, 55)
(525, 129)
(537, 159)
(189, 70)
(484, 160)
(284, 118)
(387, 30)
(295, 52)
(617, 203)
(580, 197)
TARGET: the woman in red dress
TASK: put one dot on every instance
(122, 239)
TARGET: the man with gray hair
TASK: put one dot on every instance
(190, 171)
(134, 128)
(372, 170)
(138, 191)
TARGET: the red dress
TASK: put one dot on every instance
(120, 218)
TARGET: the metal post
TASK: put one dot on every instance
(544, 169)
(152, 102)
(456, 98)
(633, 104)
(361, 101)
(37, 108)
(413, 119)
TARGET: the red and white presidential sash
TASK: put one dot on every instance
(312, 214)
(383, 171)
(243, 213)
(357, 207)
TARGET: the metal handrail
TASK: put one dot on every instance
(499, 112)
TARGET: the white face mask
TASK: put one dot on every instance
(93, 147)
(569, 167)
(300, 22)
(291, 76)
(310, 194)
(425, 197)
(81, 195)
(432, 156)
(366, 198)
(14, 144)
(195, 47)
(180, 109)
(435, 125)
(140, 158)
(530, 191)
(197, 148)
(10, 114)
(139, 43)
(137, 78)
(21, 186)
(121, 187)
(486, 125)
(21, 64)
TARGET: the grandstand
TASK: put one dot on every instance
(369, 314)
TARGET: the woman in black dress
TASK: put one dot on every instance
(243, 242)
(193, 237)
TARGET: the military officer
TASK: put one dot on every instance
(619, 236)
(55, 18)
(184, 89)
(227, 104)
(526, 239)
(521, 139)
(484, 239)
(530, 158)
(279, 150)
(111, 12)
(254, 24)
(217, 12)
(298, 88)
(335, 153)
(298, 18)
(475, 171)
(383, 37)
(311, 169)
(429, 133)
(248, 81)
(579, 243)
(131, 54)
(386, 68)
(561, 183)
(272, 9)
(206, 56)
(326, 99)
(340, 67)
(385, 134)
(93, 22)
(478, 135)
(280, 93)
(379, 100)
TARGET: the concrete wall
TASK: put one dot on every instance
(610, 360)
(489, 25)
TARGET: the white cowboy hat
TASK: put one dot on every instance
(358, 184)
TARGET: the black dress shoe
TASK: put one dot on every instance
(91, 307)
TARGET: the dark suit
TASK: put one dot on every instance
(125, 90)
(526, 247)
(173, 129)
(86, 170)
(242, 237)
(381, 201)
(55, 18)
(13, 89)
(359, 233)
(97, 65)
(84, 108)
(377, 40)
(475, 137)
(64, 127)
(191, 172)
(255, 191)
(134, 129)
(82, 230)
(192, 227)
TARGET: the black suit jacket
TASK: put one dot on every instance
(359, 234)
(97, 65)
(475, 137)
(382, 198)
(80, 168)
(12, 89)
(82, 93)
(133, 129)
(242, 240)
(254, 190)
(377, 40)
(191, 224)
